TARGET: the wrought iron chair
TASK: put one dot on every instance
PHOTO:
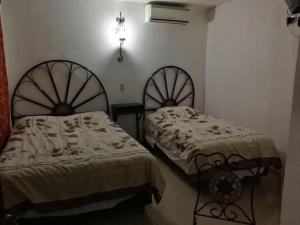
(225, 187)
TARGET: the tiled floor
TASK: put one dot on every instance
(177, 205)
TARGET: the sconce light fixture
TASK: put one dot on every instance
(293, 22)
(121, 34)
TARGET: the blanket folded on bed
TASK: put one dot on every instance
(52, 162)
(184, 132)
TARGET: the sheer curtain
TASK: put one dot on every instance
(4, 106)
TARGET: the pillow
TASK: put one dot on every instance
(182, 112)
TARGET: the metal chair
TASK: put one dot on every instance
(225, 187)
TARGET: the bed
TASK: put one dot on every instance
(174, 127)
(65, 156)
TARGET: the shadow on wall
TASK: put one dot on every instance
(125, 73)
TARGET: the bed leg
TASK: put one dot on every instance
(194, 221)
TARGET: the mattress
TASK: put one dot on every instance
(177, 160)
(57, 163)
(183, 132)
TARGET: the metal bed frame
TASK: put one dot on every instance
(221, 176)
(225, 188)
(170, 96)
(61, 104)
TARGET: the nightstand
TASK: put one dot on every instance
(129, 108)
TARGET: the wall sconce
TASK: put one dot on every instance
(121, 34)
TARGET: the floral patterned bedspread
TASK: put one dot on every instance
(52, 159)
(185, 132)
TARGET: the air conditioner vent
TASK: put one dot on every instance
(167, 14)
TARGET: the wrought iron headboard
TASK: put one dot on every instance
(58, 88)
(169, 86)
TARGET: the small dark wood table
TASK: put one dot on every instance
(129, 108)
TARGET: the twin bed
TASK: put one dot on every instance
(70, 157)
(173, 127)
(218, 156)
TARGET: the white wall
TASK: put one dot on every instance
(291, 199)
(84, 31)
(251, 60)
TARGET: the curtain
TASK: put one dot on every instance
(4, 105)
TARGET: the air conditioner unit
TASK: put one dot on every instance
(166, 14)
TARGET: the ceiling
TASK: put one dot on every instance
(200, 2)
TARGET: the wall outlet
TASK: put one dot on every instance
(122, 87)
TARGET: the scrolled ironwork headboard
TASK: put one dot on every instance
(58, 88)
(169, 86)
